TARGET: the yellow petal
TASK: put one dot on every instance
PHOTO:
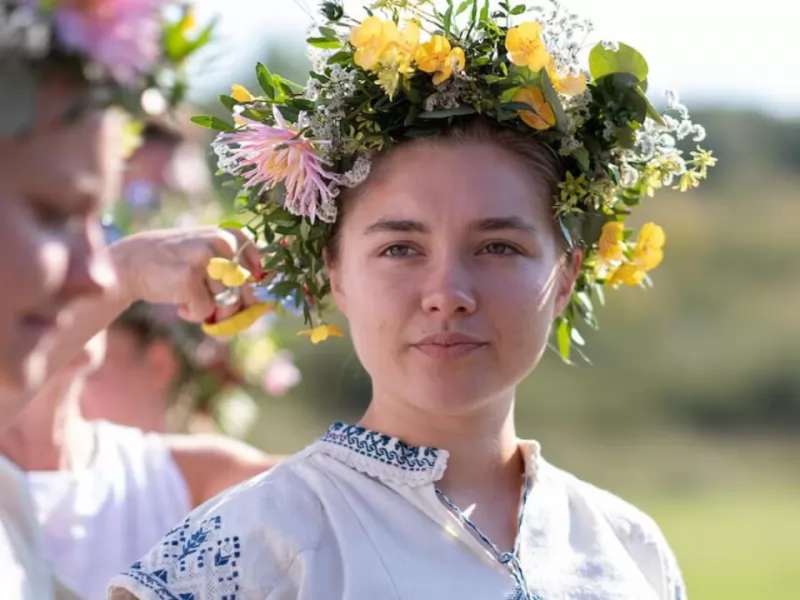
(543, 116)
(218, 267)
(457, 58)
(236, 276)
(241, 94)
(572, 85)
(652, 234)
(628, 274)
(610, 246)
(238, 322)
(320, 333)
(362, 34)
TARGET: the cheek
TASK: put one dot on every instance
(520, 305)
(35, 261)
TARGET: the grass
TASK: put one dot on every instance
(735, 546)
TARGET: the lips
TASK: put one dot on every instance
(449, 345)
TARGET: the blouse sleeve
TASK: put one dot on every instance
(236, 546)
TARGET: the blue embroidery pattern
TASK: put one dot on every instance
(190, 550)
(381, 447)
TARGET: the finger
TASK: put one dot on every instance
(200, 305)
(250, 257)
(223, 312)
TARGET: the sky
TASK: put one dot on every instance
(711, 51)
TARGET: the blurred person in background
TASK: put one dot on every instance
(64, 71)
(105, 492)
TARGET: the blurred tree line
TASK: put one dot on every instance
(714, 346)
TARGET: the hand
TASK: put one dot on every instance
(170, 266)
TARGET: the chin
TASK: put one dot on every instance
(20, 377)
(454, 393)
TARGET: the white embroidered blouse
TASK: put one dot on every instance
(356, 516)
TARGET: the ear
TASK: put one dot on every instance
(162, 364)
(568, 273)
(334, 272)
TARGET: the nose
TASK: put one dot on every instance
(91, 270)
(449, 291)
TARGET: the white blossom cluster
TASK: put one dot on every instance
(656, 144)
(564, 34)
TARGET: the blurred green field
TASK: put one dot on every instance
(735, 546)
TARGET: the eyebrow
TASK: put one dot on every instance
(513, 223)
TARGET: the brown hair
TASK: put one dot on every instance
(534, 156)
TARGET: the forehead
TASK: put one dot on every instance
(78, 162)
(445, 183)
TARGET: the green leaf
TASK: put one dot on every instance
(301, 104)
(214, 123)
(448, 112)
(464, 6)
(324, 43)
(265, 80)
(518, 9)
(624, 60)
(563, 335)
(485, 12)
(551, 96)
(340, 57)
(581, 156)
(651, 110)
(228, 102)
(284, 288)
(328, 32)
(230, 225)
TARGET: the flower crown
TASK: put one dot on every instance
(128, 51)
(408, 70)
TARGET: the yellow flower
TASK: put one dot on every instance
(688, 180)
(569, 85)
(611, 247)
(189, 22)
(229, 272)
(397, 59)
(238, 322)
(437, 57)
(649, 252)
(703, 159)
(401, 51)
(647, 255)
(371, 39)
(628, 274)
(526, 47)
(543, 116)
(241, 94)
(320, 333)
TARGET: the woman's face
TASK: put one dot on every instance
(53, 182)
(450, 274)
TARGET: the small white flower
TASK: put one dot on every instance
(684, 129)
(628, 176)
(610, 45)
(699, 133)
(359, 173)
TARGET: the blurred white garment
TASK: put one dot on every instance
(98, 521)
(24, 572)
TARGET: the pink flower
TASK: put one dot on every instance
(267, 155)
(123, 36)
(280, 375)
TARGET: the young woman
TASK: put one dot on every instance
(462, 193)
(92, 480)
(60, 162)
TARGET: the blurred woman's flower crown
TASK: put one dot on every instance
(409, 70)
(130, 52)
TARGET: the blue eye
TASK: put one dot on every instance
(499, 248)
(397, 251)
